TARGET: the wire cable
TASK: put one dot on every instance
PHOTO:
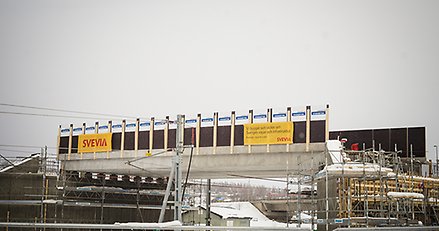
(258, 178)
(63, 110)
(190, 159)
(19, 146)
(50, 115)
(188, 170)
(7, 160)
(17, 150)
(27, 146)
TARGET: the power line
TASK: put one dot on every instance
(50, 115)
(16, 150)
(258, 178)
(63, 110)
(6, 159)
(27, 146)
(23, 147)
(19, 146)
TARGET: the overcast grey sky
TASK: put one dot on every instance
(375, 62)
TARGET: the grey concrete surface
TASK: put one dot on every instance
(223, 162)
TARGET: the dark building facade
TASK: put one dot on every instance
(389, 139)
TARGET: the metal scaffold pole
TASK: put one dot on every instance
(326, 191)
(43, 183)
(165, 199)
(176, 174)
(208, 205)
(178, 170)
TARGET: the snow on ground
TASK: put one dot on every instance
(258, 219)
(150, 225)
(248, 210)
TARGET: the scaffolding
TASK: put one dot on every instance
(49, 194)
(373, 189)
(366, 189)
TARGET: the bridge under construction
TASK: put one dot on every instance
(141, 165)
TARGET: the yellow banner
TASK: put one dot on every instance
(94, 142)
(268, 133)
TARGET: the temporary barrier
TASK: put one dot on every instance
(214, 130)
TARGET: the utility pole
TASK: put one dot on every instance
(176, 174)
(178, 171)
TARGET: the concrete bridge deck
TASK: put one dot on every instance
(207, 162)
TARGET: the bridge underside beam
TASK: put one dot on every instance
(277, 162)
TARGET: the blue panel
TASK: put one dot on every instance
(207, 120)
(260, 116)
(131, 125)
(191, 121)
(318, 113)
(226, 118)
(302, 113)
(280, 115)
(243, 117)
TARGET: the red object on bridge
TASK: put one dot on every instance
(354, 147)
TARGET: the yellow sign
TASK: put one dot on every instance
(268, 133)
(94, 142)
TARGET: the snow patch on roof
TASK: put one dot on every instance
(226, 213)
(150, 225)
(248, 210)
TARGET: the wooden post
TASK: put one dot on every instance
(289, 120)
(96, 131)
(308, 127)
(122, 138)
(84, 126)
(136, 137)
(232, 132)
(215, 131)
(110, 130)
(327, 123)
(197, 135)
(151, 135)
(166, 134)
(250, 121)
(269, 120)
(58, 142)
(69, 151)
